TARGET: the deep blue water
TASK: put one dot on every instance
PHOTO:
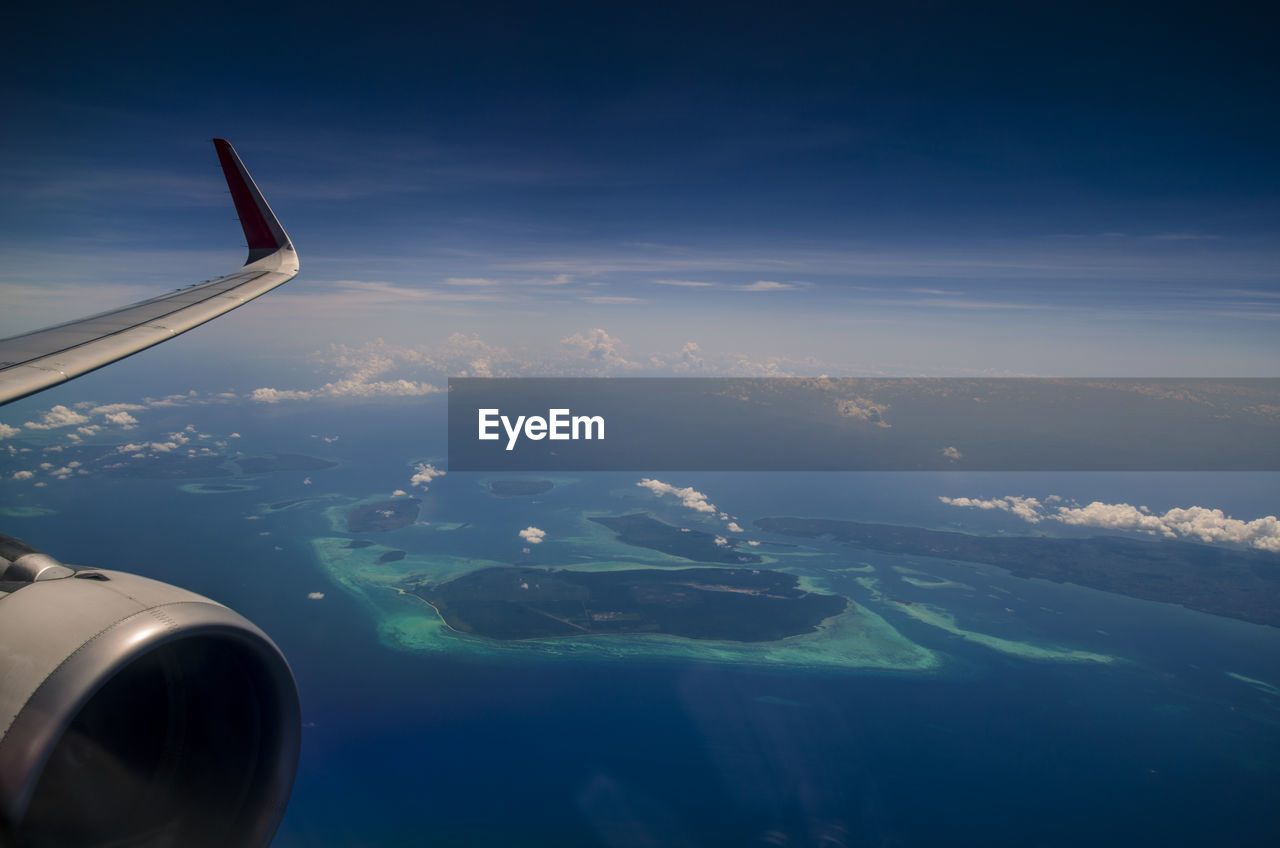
(403, 749)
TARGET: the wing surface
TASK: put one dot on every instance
(35, 361)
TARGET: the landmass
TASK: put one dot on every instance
(356, 544)
(383, 516)
(1223, 581)
(519, 488)
(391, 556)
(168, 467)
(738, 605)
(283, 462)
(645, 531)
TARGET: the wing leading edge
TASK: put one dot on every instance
(35, 361)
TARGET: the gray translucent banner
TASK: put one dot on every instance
(864, 424)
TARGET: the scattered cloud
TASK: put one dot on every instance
(23, 475)
(121, 419)
(112, 408)
(767, 285)
(690, 284)
(315, 596)
(1028, 509)
(424, 473)
(1195, 522)
(608, 300)
(399, 493)
(952, 452)
(597, 346)
(688, 496)
(863, 409)
(350, 388)
(59, 416)
(533, 535)
(6, 431)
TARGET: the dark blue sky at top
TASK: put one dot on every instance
(451, 131)
(1018, 114)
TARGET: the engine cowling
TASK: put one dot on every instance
(136, 713)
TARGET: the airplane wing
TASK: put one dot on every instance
(35, 361)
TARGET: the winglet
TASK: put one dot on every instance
(261, 229)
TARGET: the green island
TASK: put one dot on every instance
(1234, 583)
(383, 516)
(737, 605)
(644, 531)
(857, 638)
(391, 556)
(519, 488)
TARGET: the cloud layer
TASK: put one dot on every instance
(1195, 522)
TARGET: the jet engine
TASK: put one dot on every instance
(134, 713)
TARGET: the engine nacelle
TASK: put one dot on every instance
(133, 712)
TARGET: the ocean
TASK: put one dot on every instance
(406, 748)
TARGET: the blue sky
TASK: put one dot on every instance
(906, 188)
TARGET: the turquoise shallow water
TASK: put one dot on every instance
(402, 748)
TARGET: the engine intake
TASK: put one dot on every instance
(136, 713)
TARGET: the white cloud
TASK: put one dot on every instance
(315, 596)
(112, 408)
(688, 496)
(722, 541)
(690, 358)
(1028, 509)
(399, 493)
(6, 431)
(533, 535)
(691, 284)
(347, 388)
(59, 416)
(424, 473)
(121, 419)
(734, 527)
(1194, 522)
(598, 346)
(863, 409)
(952, 452)
(767, 285)
(23, 475)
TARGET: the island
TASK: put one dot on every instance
(383, 516)
(737, 605)
(519, 488)
(283, 462)
(391, 556)
(644, 531)
(1241, 584)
